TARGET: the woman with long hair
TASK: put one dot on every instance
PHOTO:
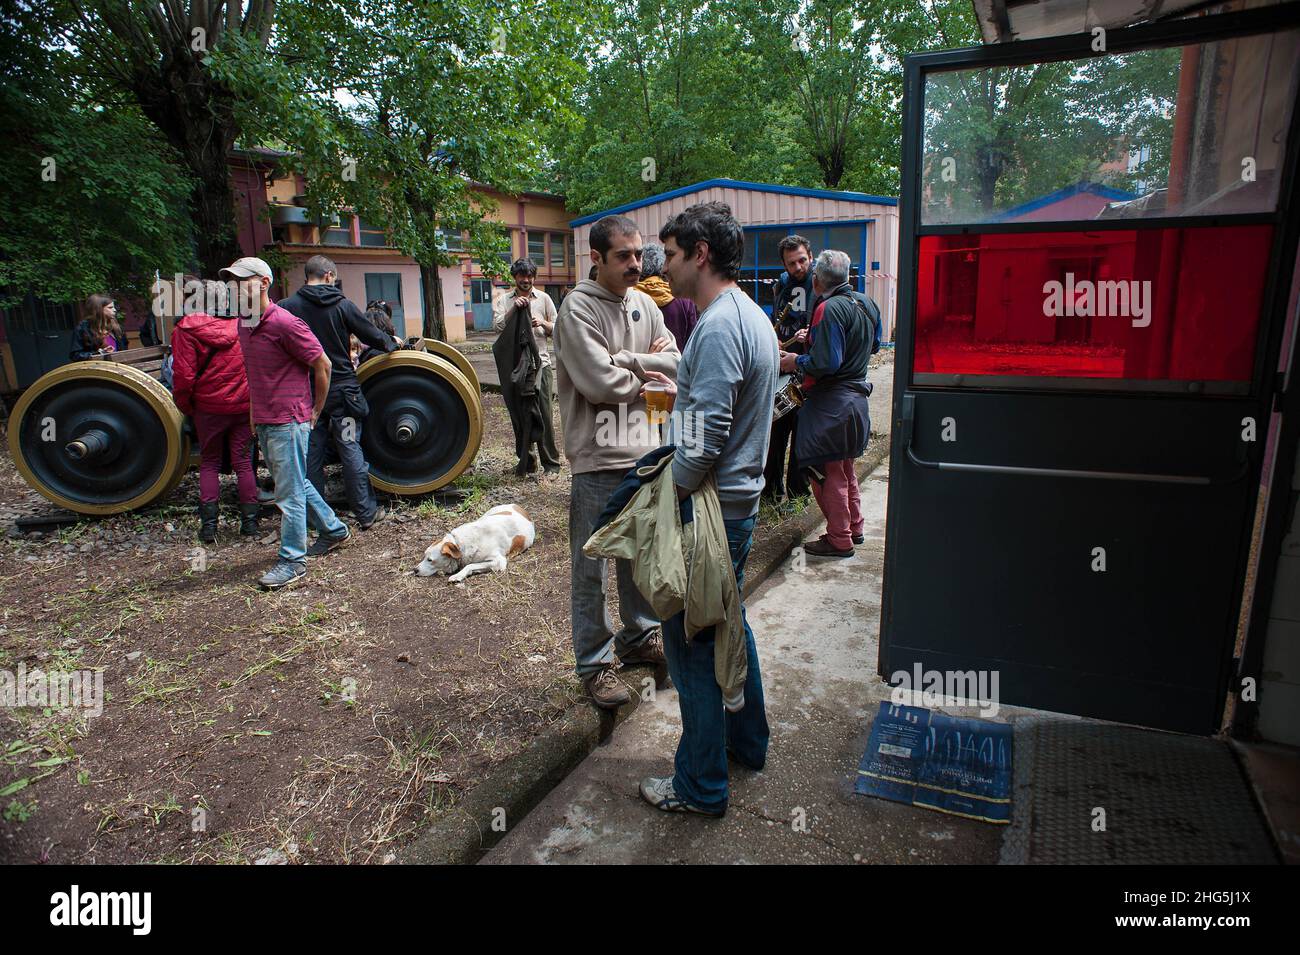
(99, 333)
(380, 314)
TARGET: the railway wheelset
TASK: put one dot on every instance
(104, 436)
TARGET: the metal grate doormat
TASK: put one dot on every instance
(922, 758)
(1165, 799)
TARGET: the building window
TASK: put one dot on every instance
(372, 235)
(557, 251)
(340, 234)
(537, 248)
(762, 265)
(451, 240)
(388, 287)
(556, 292)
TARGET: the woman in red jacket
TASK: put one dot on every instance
(209, 384)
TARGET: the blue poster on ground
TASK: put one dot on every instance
(955, 765)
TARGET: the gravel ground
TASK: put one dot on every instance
(325, 723)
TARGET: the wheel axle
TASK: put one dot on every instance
(92, 444)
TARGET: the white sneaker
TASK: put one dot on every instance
(659, 792)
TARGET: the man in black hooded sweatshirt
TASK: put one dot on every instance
(332, 318)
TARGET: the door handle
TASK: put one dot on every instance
(1094, 475)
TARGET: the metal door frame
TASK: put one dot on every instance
(1266, 381)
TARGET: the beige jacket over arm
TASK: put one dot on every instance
(682, 568)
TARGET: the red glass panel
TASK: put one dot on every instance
(1172, 304)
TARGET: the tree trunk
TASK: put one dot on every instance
(434, 325)
(215, 227)
(832, 165)
(196, 115)
(988, 169)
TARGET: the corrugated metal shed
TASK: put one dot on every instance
(766, 207)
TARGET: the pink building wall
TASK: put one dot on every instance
(352, 271)
(254, 234)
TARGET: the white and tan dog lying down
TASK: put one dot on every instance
(485, 544)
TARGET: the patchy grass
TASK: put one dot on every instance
(328, 722)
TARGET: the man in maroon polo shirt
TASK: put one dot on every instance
(283, 360)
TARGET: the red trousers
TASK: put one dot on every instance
(837, 496)
(218, 434)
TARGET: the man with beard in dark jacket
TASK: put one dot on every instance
(332, 318)
(792, 310)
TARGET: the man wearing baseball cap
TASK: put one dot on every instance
(283, 360)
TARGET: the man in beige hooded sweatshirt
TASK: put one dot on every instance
(608, 336)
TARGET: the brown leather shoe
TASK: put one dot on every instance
(822, 547)
(606, 690)
(650, 652)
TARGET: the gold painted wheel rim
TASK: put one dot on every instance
(457, 358)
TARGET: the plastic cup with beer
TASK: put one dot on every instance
(658, 401)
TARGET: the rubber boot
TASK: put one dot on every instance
(248, 515)
(208, 511)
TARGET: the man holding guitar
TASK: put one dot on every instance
(791, 311)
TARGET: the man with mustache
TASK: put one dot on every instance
(796, 291)
(608, 339)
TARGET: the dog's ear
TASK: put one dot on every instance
(449, 549)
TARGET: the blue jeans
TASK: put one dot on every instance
(285, 448)
(336, 426)
(708, 731)
(594, 640)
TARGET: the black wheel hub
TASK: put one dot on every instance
(418, 426)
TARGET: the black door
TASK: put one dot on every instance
(1087, 356)
(40, 337)
(388, 287)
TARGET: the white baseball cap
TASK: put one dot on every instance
(246, 268)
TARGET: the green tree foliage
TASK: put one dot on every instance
(390, 108)
(999, 136)
(394, 109)
(92, 192)
(1135, 97)
(798, 92)
(673, 96)
(156, 56)
(827, 66)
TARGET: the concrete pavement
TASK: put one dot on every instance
(817, 627)
(1170, 799)
(816, 623)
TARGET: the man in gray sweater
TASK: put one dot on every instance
(725, 385)
(609, 340)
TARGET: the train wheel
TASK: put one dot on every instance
(456, 357)
(425, 423)
(98, 438)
